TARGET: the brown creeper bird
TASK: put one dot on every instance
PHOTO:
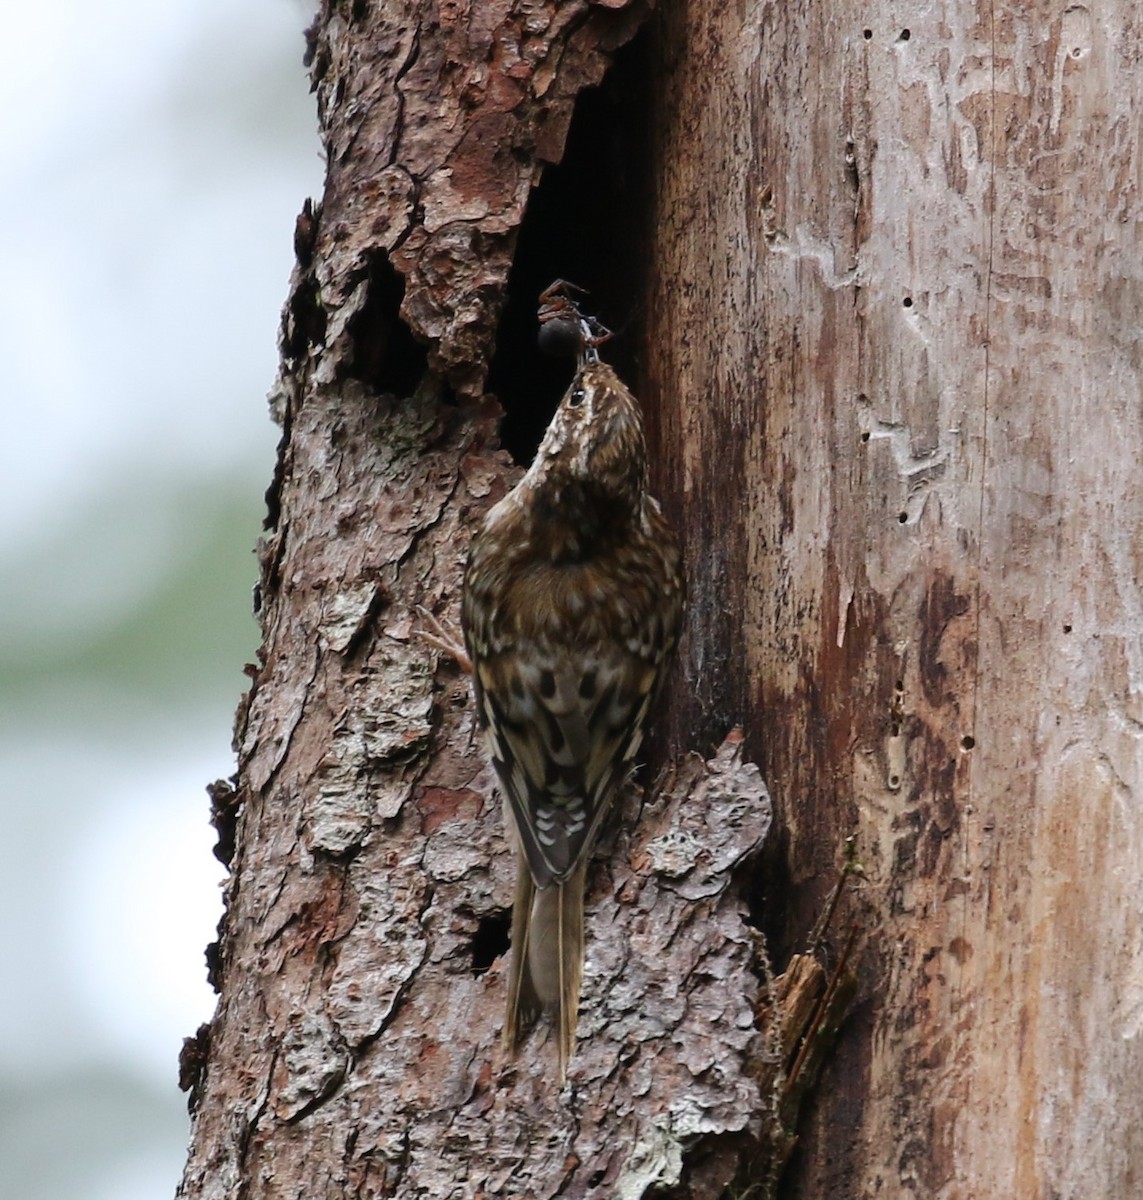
(572, 604)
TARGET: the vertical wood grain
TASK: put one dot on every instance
(895, 305)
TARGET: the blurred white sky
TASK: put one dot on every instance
(151, 180)
(153, 158)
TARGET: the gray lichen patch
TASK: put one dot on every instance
(313, 1064)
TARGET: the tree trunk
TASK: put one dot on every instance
(356, 1045)
(876, 269)
(895, 343)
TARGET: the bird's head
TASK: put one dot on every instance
(595, 444)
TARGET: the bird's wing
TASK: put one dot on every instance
(563, 729)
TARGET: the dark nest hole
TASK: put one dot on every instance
(585, 224)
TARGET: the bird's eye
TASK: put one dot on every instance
(576, 398)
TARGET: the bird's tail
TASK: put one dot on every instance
(547, 957)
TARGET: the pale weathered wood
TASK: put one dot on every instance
(894, 325)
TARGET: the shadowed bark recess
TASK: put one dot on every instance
(437, 120)
(355, 1050)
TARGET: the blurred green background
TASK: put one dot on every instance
(153, 159)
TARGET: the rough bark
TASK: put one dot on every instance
(893, 338)
(355, 1047)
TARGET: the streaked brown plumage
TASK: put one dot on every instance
(572, 604)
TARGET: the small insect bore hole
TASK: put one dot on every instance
(903, 36)
(967, 742)
(902, 517)
(867, 34)
(865, 436)
(907, 302)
